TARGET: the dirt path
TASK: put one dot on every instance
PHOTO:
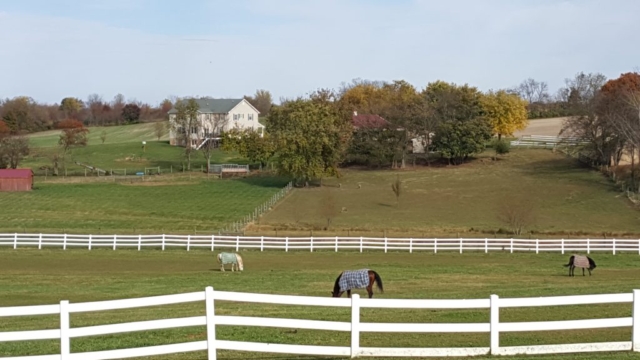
(550, 127)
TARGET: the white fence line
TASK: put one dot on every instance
(494, 327)
(335, 243)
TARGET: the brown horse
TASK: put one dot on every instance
(373, 278)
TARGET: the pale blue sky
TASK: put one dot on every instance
(149, 50)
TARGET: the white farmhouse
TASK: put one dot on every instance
(216, 116)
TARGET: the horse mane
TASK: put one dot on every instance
(239, 258)
(336, 286)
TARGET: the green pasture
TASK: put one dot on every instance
(31, 276)
(162, 204)
(122, 149)
(567, 200)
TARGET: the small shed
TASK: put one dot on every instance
(16, 180)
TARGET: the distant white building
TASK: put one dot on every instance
(217, 116)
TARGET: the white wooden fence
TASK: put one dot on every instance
(65, 333)
(336, 243)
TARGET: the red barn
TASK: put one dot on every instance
(16, 180)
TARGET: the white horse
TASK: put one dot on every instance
(230, 258)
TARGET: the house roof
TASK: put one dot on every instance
(214, 106)
(368, 121)
(15, 173)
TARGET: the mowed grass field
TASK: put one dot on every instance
(31, 276)
(163, 204)
(567, 200)
(122, 149)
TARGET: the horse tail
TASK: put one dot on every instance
(378, 280)
(570, 261)
(220, 257)
(592, 263)
(336, 286)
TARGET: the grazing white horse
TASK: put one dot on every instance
(230, 258)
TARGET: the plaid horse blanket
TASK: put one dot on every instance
(354, 279)
(581, 261)
(228, 258)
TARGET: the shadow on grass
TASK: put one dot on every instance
(267, 181)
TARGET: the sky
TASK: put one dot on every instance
(149, 50)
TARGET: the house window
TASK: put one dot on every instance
(235, 117)
(250, 117)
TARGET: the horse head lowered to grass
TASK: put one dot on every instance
(356, 279)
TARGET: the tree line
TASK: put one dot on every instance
(377, 123)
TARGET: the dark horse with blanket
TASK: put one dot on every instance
(356, 279)
(580, 261)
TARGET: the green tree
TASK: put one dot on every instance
(457, 140)
(505, 112)
(310, 137)
(71, 107)
(187, 126)
(131, 113)
(12, 150)
(249, 144)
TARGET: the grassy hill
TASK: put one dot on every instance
(122, 149)
(566, 198)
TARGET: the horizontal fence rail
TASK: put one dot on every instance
(336, 243)
(210, 320)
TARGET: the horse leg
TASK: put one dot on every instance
(589, 271)
(222, 267)
(349, 293)
(582, 271)
(370, 290)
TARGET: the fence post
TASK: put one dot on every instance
(15, 241)
(614, 246)
(65, 346)
(588, 247)
(410, 245)
(337, 245)
(40, 242)
(89, 241)
(237, 243)
(286, 244)
(460, 245)
(261, 243)
(511, 246)
(211, 324)
(536, 246)
(140, 242)
(360, 243)
(162, 242)
(635, 337)
(64, 242)
(435, 245)
(213, 242)
(494, 319)
(385, 244)
(311, 243)
(562, 246)
(114, 241)
(355, 325)
(486, 245)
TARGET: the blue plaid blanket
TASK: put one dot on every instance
(354, 279)
(228, 258)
